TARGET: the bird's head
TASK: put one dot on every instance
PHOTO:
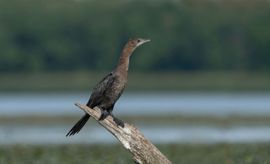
(134, 43)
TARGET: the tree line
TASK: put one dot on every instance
(187, 35)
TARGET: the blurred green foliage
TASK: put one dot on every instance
(150, 81)
(186, 35)
(111, 154)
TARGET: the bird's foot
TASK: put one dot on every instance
(119, 122)
(103, 115)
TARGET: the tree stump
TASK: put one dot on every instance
(143, 151)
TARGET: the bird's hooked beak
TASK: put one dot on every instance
(142, 41)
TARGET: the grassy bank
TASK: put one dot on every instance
(98, 154)
(146, 120)
(174, 81)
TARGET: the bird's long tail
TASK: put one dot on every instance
(78, 126)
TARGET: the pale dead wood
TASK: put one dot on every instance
(143, 151)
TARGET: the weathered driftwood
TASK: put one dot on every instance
(131, 138)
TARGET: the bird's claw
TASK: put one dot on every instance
(103, 115)
(119, 122)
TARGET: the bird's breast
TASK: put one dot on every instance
(119, 85)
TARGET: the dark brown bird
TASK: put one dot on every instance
(109, 89)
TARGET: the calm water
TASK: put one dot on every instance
(192, 103)
(38, 134)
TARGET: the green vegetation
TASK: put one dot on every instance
(111, 154)
(174, 120)
(151, 81)
(68, 35)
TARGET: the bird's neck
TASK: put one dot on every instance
(124, 59)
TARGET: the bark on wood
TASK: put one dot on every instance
(143, 151)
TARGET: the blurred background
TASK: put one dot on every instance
(200, 88)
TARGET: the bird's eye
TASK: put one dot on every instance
(138, 41)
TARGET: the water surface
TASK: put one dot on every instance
(91, 134)
(157, 103)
